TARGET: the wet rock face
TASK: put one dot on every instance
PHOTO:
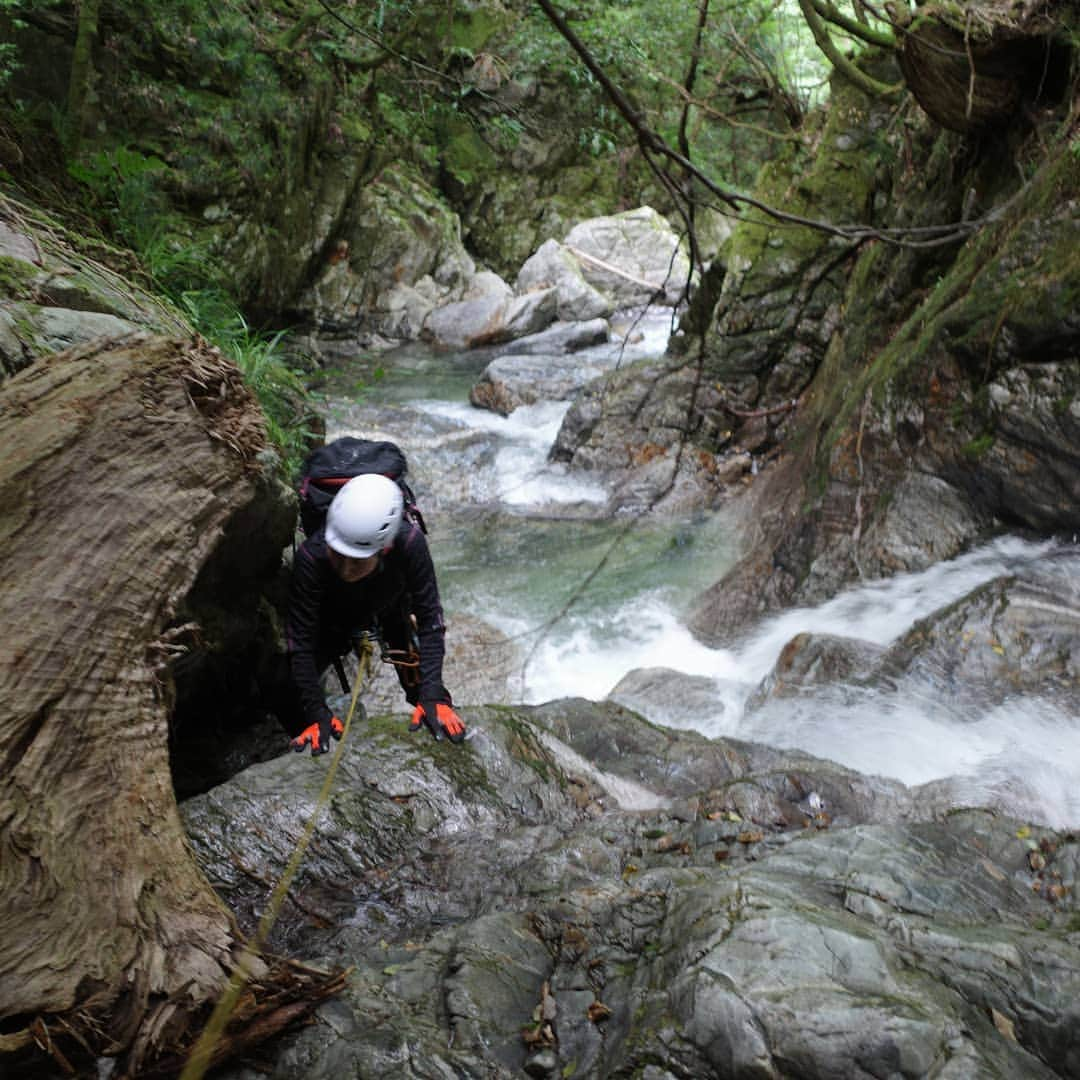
(943, 408)
(507, 911)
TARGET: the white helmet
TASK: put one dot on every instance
(364, 516)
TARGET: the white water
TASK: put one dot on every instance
(522, 476)
(1023, 756)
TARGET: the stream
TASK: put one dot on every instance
(524, 545)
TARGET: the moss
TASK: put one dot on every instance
(16, 278)
(977, 448)
(527, 748)
(464, 154)
(1021, 272)
(472, 30)
(25, 329)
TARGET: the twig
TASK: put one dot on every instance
(613, 269)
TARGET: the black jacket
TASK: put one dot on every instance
(324, 611)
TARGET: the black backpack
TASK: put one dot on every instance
(328, 468)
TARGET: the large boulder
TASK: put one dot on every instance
(396, 256)
(526, 374)
(610, 263)
(490, 319)
(554, 266)
(573, 889)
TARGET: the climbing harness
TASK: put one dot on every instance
(201, 1056)
(407, 662)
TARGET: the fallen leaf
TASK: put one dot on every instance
(1004, 1025)
(598, 1011)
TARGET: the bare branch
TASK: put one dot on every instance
(653, 147)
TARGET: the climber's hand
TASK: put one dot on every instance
(318, 736)
(440, 720)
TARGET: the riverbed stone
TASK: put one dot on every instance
(635, 257)
(561, 337)
(669, 697)
(509, 382)
(489, 320)
(1009, 636)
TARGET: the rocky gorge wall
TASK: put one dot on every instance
(577, 892)
(898, 384)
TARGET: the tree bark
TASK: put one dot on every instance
(121, 465)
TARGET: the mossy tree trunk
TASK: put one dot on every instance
(120, 467)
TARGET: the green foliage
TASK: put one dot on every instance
(10, 10)
(645, 47)
(977, 448)
(121, 184)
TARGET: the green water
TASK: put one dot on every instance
(522, 567)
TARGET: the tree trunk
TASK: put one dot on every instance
(82, 71)
(121, 464)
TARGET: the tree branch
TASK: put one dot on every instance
(653, 145)
(843, 65)
(857, 28)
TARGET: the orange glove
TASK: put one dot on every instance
(440, 719)
(318, 736)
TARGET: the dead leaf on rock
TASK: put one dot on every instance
(598, 1011)
(1004, 1025)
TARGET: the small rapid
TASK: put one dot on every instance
(521, 543)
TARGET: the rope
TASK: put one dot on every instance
(201, 1056)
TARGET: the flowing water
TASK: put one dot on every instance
(522, 544)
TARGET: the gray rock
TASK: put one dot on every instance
(509, 382)
(497, 924)
(810, 660)
(552, 266)
(1007, 637)
(490, 320)
(561, 337)
(668, 697)
(631, 257)
(55, 328)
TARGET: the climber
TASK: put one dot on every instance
(367, 570)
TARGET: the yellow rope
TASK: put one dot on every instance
(199, 1059)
